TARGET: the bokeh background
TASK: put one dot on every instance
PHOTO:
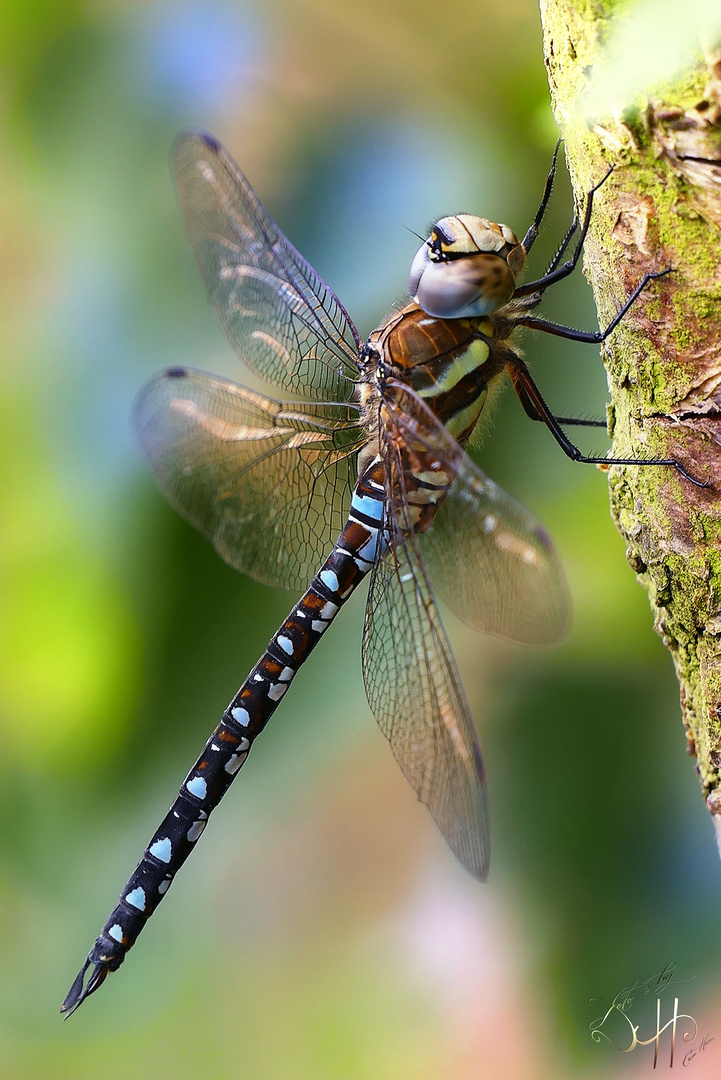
(321, 929)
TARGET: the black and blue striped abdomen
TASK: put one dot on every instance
(247, 714)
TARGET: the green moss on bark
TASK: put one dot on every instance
(660, 207)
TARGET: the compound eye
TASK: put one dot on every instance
(418, 267)
(464, 288)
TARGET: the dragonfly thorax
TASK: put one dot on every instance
(466, 268)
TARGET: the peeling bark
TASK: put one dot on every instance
(660, 207)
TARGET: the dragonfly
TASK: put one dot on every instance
(360, 471)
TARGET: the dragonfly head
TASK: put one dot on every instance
(466, 268)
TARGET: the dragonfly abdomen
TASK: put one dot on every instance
(227, 749)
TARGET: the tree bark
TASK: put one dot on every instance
(660, 207)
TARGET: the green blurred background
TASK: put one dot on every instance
(322, 929)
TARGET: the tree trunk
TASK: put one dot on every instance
(661, 207)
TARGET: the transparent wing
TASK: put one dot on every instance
(267, 482)
(281, 318)
(491, 562)
(415, 693)
(488, 557)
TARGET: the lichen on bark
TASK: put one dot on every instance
(661, 207)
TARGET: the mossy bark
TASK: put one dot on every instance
(660, 207)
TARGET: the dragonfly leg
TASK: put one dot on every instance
(530, 395)
(533, 414)
(558, 273)
(562, 246)
(536, 300)
(593, 337)
(530, 238)
(532, 233)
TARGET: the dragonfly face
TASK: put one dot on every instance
(466, 268)
(362, 473)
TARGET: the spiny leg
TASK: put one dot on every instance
(562, 246)
(529, 392)
(530, 238)
(568, 267)
(536, 300)
(533, 414)
(593, 337)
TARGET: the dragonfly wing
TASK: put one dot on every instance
(280, 316)
(268, 482)
(416, 695)
(492, 562)
(488, 557)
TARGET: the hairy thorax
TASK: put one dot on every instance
(451, 364)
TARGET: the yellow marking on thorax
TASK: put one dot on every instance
(490, 400)
(466, 418)
(461, 365)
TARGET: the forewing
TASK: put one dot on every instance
(280, 316)
(488, 557)
(268, 482)
(415, 692)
